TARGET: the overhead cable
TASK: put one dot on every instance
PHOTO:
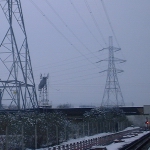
(109, 22)
(48, 3)
(94, 20)
(53, 25)
(85, 23)
(81, 77)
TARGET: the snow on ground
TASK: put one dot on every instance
(84, 138)
(126, 141)
(94, 136)
(116, 146)
(113, 146)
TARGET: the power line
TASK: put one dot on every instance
(74, 58)
(61, 34)
(84, 22)
(67, 69)
(62, 64)
(81, 76)
(94, 20)
(73, 68)
(107, 16)
(48, 3)
(73, 72)
(52, 24)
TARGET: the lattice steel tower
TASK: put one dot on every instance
(17, 86)
(112, 94)
(44, 91)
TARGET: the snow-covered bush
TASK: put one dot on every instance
(35, 130)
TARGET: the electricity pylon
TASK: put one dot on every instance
(112, 93)
(43, 92)
(17, 86)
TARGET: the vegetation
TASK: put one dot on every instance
(35, 130)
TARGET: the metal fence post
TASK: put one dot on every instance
(6, 137)
(36, 134)
(22, 140)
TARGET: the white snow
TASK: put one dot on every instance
(113, 146)
(116, 146)
(94, 136)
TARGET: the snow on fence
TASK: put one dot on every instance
(87, 144)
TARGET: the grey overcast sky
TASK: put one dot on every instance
(64, 38)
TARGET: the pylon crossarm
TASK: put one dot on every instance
(103, 49)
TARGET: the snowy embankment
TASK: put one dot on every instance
(116, 146)
(94, 136)
(113, 146)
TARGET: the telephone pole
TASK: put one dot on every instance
(112, 93)
(17, 85)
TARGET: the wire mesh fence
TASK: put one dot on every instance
(37, 130)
